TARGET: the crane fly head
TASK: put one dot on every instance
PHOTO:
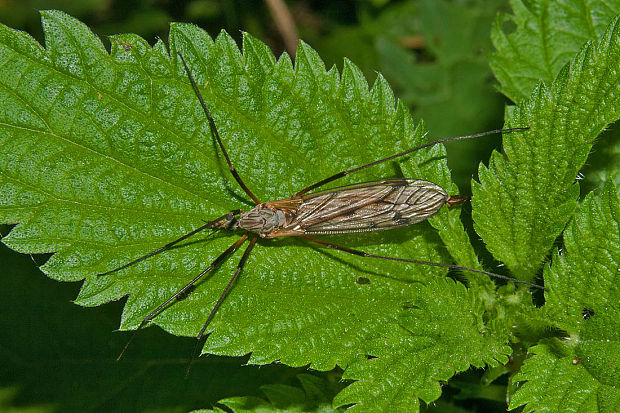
(228, 221)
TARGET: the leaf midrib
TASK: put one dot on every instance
(183, 214)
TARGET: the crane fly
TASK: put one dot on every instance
(365, 207)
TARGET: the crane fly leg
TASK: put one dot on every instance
(221, 258)
(433, 264)
(219, 302)
(215, 133)
(209, 224)
(403, 153)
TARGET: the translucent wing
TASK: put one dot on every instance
(371, 206)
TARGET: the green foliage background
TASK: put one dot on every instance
(59, 357)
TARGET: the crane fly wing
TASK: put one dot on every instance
(371, 206)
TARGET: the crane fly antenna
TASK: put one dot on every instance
(215, 133)
(433, 264)
(219, 302)
(208, 224)
(221, 258)
(403, 153)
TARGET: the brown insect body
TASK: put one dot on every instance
(366, 207)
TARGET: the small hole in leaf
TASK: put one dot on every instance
(362, 281)
(508, 26)
(587, 313)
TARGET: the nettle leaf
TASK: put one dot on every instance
(436, 339)
(581, 373)
(583, 279)
(547, 34)
(107, 156)
(527, 194)
(315, 395)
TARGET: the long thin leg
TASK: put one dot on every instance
(403, 153)
(209, 224)
(221, 258)
(434, 264)
(215, 133)
(221, 300)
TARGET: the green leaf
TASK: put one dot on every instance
(7, 394)
(581, 373)
(603, 162)
(109, 156)
(314, 396)
(584, 276)
(442, 332)
(559, 382)
(547, 34)
(527, 194)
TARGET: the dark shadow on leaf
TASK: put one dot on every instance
(186, 293)
(339, 258)
(431, 160)
(398, 171)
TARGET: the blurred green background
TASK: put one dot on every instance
(56, 356)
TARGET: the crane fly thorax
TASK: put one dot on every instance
(262, 219)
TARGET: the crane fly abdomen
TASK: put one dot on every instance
(370, 206)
